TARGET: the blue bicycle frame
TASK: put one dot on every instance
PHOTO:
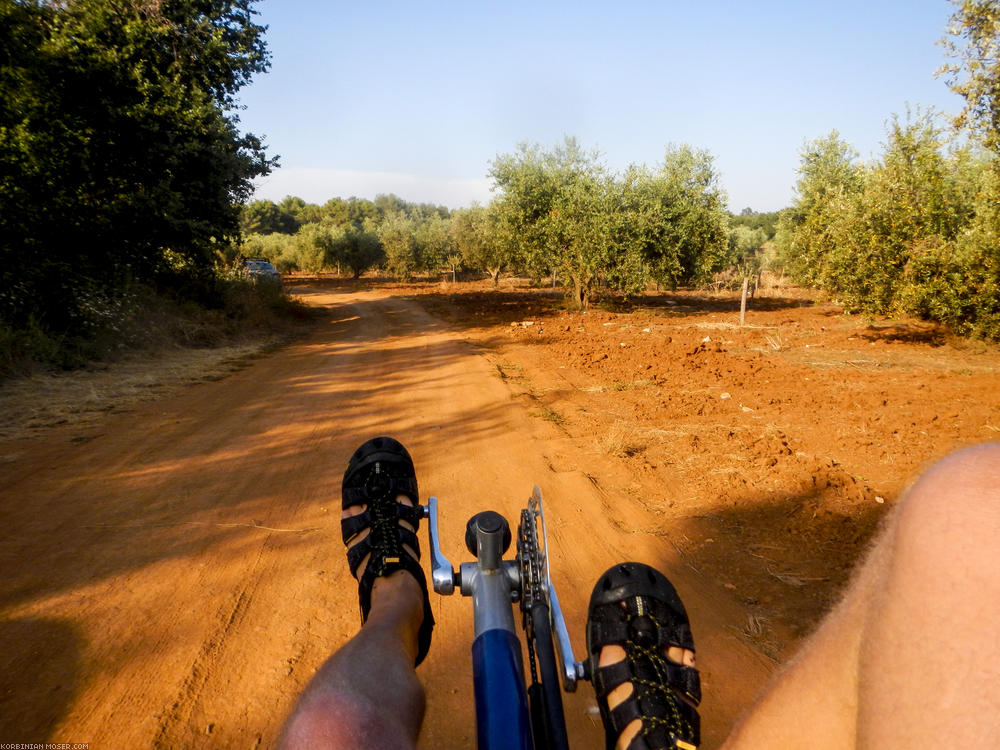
(509, 715)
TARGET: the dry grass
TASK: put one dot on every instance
(33, 403)
(624, 439)
(550, 415)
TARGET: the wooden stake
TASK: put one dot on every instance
(743, 301)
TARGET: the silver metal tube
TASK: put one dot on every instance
(490, 600)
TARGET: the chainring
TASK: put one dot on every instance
(532, 557)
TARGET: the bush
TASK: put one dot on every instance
(916, 232)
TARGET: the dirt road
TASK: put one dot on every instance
(173, 576)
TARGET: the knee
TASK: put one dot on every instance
(952, 513)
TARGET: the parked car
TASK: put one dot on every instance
(260, 268)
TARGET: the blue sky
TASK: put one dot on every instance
(417, 98)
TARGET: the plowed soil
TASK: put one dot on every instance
(173, 573)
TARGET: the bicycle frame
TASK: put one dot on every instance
(509, 714)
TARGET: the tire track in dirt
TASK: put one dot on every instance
(180, 711)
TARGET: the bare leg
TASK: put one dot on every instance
(911, 655)
(367, 694)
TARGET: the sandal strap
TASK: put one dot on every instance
(637, 608)
(395, 486)
(387, 567)
(357, 552)
(624, 714)
(668, 634)
(608, 678)
(352, 526)
(678, 676)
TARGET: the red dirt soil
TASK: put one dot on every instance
(173, 576)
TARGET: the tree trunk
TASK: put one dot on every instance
(580, 293)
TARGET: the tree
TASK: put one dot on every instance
(746, 256)
(266, 217)
(434, 243)
(917, 231)
(477, 239)
(388, 204)
(358, 248)
(756, 220)
(396, 233)
(314, 247)
(829, 182)
(745, 250)
(695, 213)
(911, 204)
(973, 39)
(352, 211)
(556, 203)
(674, 217)
(120, 157)
(299, 211)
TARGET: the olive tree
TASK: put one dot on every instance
(557, 204)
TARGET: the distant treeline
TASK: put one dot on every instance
(559, 213)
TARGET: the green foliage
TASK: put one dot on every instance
(746, 250)
(118, 143)
(314, 247)
(914, 232)
(560, 210)
(353, 211)
(958, 282)
(267, 217)
(357, 247)
(766, 222)
(141, 318)
(675, 217)
(434, 243)
(476, 237)
(557, 204)
(396, 233)
(829, 182)
(973, 39)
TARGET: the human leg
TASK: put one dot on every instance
(367, 694)
(910, 654)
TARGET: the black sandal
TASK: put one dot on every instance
(637, 608)
(379, 471)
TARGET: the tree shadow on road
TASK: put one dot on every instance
(38, 679)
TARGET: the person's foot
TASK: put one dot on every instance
(641, 660)
(380, 517)
(612, 655)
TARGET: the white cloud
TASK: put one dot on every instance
(320, 185)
